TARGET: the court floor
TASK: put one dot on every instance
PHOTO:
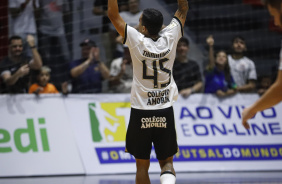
(182, 178)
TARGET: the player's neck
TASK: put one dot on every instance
(153, 37)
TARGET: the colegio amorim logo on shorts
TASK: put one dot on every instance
(32, 137)
(109, 121)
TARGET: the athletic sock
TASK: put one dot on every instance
(167, 177)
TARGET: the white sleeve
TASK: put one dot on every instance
(253, 73)
(132, 37)
(174, 29)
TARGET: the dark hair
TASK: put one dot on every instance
(237, 37)
(273, 3)
(226, 70)
(233, 40)
(152, 19)
(184, 40)
(15, 37)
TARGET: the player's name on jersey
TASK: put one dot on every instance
(155, 55)
(158, 97)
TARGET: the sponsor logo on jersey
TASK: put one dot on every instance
(158, 97)
(155, 55)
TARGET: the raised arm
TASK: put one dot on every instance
(182, 10)
(36, 63)
(114, 16)
(210, 42)
(270, 98)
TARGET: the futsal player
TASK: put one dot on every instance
(153, 89)
(274, 94)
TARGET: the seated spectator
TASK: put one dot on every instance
(265, 82)
(88, 72)
(15, 69)
(186, 73)
(121, 73)
(217, 75)
(242, 68)
(43, 85)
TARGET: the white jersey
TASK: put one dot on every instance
(242, 70)
(153, 85)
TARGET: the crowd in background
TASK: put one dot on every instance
(38, 57)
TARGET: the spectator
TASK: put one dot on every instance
(53, 43)
(186, 73)
(265, 82)
(108, 35)
(217, 76)
(242, 68)
(131, 17)
(88, 72)
(121, 73)
(15, 69)
(23, 20)
(43, 85)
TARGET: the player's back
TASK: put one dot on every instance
(153, 84)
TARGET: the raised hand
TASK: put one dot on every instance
(38, 90)
(64, 87)
(30, 40)
(90, 55)
(246, 115)
(210, 40)
(96, 53)
(22, 71)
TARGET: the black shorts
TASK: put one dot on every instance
(151, 126)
